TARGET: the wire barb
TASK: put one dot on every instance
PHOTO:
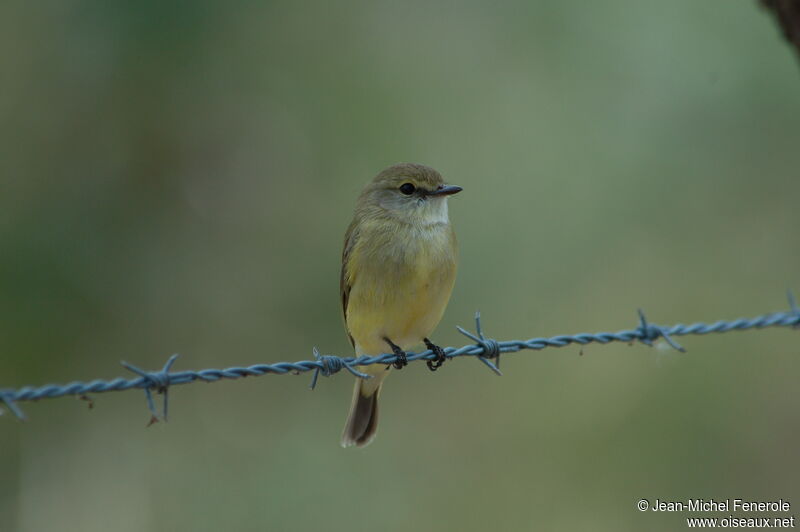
(491, 347)
(7, 399)
(793, 308)
(158, 380)
(649, 332)
(330, 364)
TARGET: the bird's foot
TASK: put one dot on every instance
(402, 359)
(436, 363)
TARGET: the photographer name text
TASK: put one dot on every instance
(720, 505)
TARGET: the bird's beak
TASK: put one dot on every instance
(445, 190)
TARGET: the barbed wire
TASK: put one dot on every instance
(487, 350)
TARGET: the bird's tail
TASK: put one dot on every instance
(362, 422)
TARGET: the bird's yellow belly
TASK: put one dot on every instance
(405, 308)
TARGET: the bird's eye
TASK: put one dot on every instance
(407, 189)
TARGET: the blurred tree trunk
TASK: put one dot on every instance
(787, 12)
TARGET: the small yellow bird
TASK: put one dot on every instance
(398, 269)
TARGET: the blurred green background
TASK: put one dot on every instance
(177, 177)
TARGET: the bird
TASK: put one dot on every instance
(399, 266)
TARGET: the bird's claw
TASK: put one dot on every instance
(436, 363)
(402, 359)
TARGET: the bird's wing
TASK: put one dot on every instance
(346, 280)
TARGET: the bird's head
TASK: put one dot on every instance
(410, 192)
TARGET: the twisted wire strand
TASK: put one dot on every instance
(487, 350)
